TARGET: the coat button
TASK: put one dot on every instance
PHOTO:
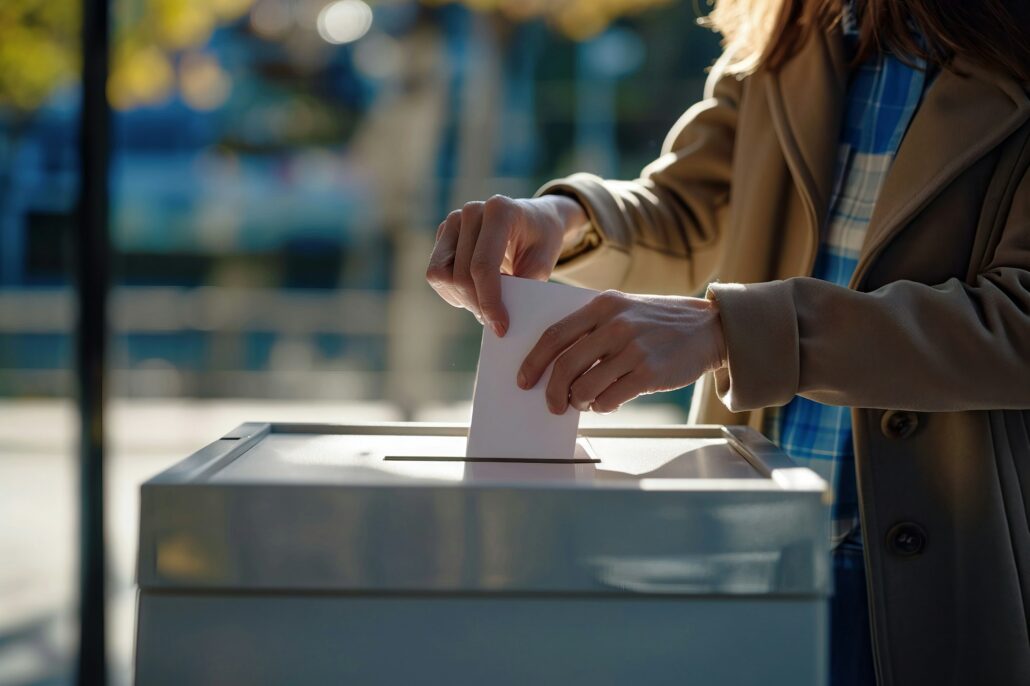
(899, 424)
(906, 539)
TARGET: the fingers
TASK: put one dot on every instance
(585, 389)
(554, 341)
(574, 362)
(622, 391)
(488, 259)
(464, 285)
(440, 273)
(482, 241)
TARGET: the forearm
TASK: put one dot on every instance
(660, 233)
(574, 220)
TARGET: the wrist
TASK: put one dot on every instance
(571, 215)
(721, 357)
(573, 223)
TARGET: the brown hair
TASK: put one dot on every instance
(766, 33)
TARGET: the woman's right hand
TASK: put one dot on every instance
(482, 240)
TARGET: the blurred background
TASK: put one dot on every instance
(278, 170)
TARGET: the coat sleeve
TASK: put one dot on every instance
(958, 345)
(661, 233)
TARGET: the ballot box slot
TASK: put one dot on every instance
(349, 508)
(506, 460)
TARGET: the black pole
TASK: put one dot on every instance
(92, 265)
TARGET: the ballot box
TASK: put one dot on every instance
(315, 554)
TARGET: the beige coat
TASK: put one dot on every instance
(931, 343)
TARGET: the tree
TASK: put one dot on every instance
(578, 19)
(39, 41)
(40, 56)
(39, 47)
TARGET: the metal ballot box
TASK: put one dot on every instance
(313, 554)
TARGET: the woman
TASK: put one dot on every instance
(857, 181)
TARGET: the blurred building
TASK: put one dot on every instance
(278, 175)
(279, 168)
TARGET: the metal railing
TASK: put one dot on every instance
(408, 347)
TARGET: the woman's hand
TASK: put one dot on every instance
(477, 243)
(620, 346)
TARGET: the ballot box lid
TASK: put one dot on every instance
(396, 508)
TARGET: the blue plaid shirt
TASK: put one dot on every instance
(882, 97)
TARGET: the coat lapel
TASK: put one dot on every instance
(806, 101)
(960, 120)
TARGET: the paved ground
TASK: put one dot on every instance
(38, 508)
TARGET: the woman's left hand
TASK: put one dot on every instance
(621, 346)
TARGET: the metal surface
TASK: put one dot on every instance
(502, 641)
(92, 266)
(291, 553)
(671, 511)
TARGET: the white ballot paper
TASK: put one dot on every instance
(507, 421)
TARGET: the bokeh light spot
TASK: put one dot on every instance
(344, 21)
(203, 82)
(270, 18)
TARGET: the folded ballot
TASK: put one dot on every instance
(507, 421)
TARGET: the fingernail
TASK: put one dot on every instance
(521, 380)
(499, 329)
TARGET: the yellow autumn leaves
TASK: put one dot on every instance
(577, 19)
(151, 34)
(158, 44)
(157, 49)
(38, 50)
